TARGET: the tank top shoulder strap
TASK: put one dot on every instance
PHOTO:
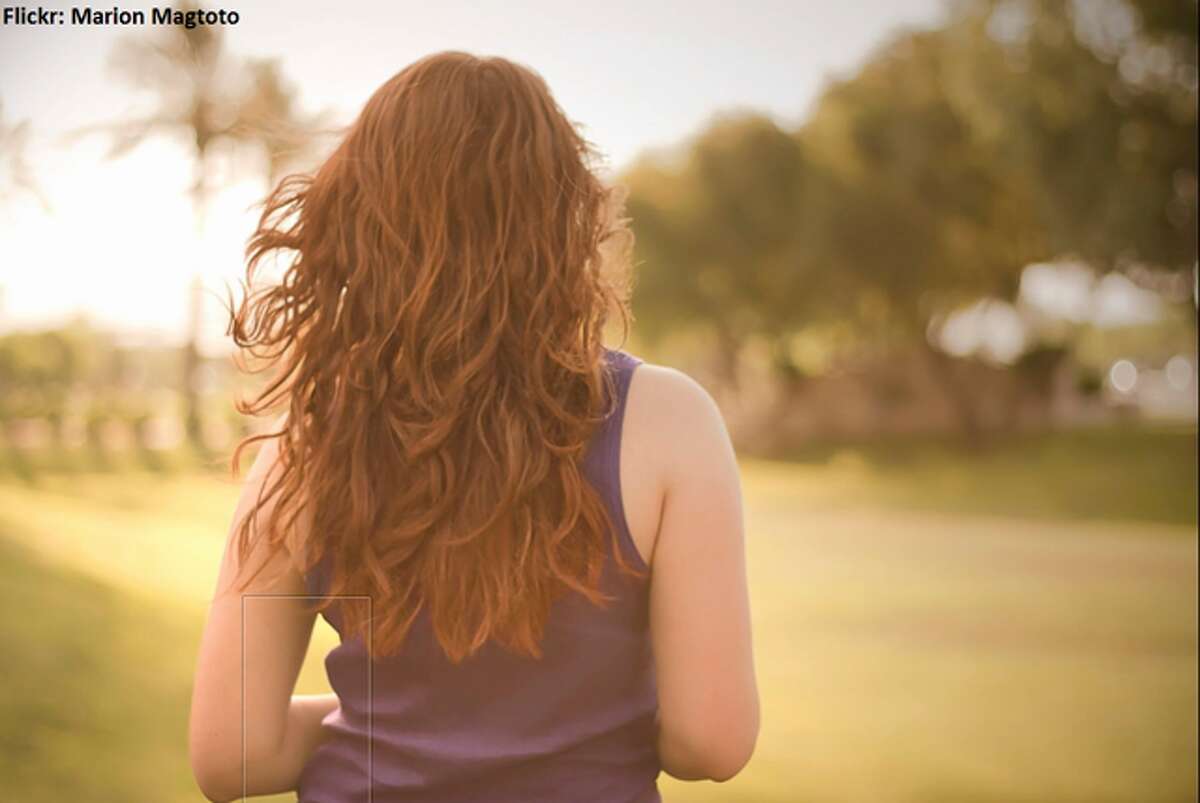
(604, 457)
(622, 365)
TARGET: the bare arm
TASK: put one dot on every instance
(281, 730)
(699, 606)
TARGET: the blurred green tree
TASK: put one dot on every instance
(718, 239)
(1096, 102)
(40, 372)
(918, 215)
(928, 180)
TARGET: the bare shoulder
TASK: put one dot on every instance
(664, 381)
(672, 429)
(674, 412)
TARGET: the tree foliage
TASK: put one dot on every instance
(205, 96)
(1019, 131)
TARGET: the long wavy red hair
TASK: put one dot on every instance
(436, 340)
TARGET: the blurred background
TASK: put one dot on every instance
(935, 260)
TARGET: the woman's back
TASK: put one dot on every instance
(500, 726)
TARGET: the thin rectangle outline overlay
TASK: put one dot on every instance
(370, 678)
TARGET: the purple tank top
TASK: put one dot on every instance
(577, 725)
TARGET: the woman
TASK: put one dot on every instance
(530, 545)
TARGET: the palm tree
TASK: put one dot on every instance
(205, 96)
(272, 118)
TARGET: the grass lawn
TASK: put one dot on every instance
(92, 707)
(1018, 627)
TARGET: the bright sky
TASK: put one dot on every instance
(118, 240)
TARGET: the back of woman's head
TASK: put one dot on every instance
(436, 338)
